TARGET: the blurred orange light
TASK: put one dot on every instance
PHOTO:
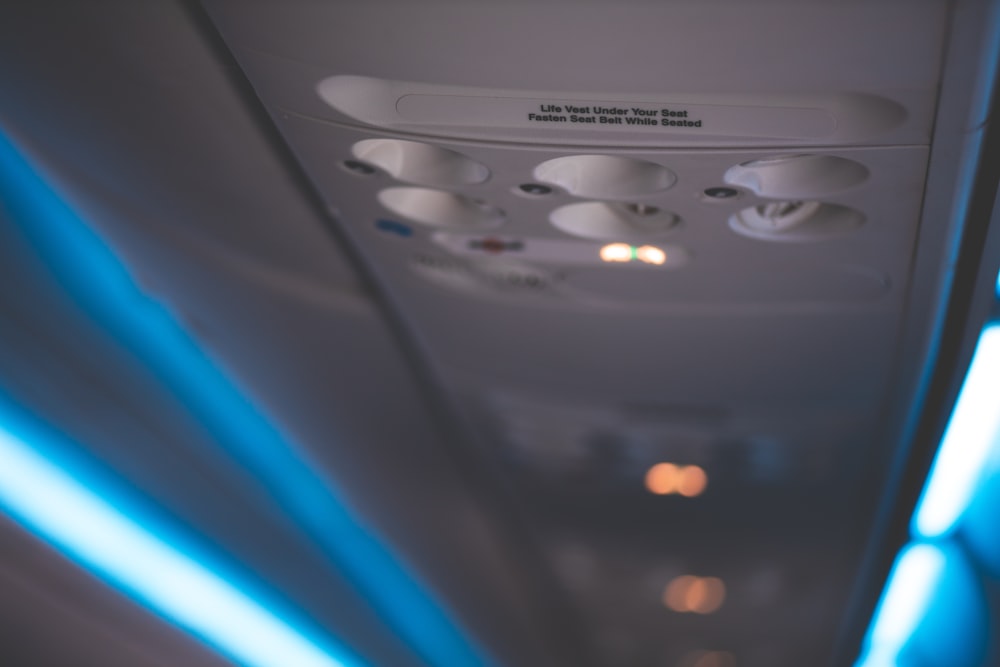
(650, 255)
(700, 595)
(675, 595)
(705, 595)
(616, 252)
(693, 481)
(663, 479)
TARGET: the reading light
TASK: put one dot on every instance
(616, 252)
(700, 595)
(705, 595)
(665, 479)
(96, 535)
(967, 442)
(693, 481)
(650, 255)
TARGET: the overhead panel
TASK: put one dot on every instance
(631, 235)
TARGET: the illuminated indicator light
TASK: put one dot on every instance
(965, 448)
(693, 481)
(651, 255)
(495, 246)
(492, 245)
(98, 536)
(705, 595)
(675, 595)
(699, 595)
(904, 602)
(617, 252)
(665, 479)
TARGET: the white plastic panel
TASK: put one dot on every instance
(796, 176)
(570, 116)
(554, 53)
(420, 163)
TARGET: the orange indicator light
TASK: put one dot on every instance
(651, 255)
(690, 594)
(693, 481)
(665, 479)
(617, 252)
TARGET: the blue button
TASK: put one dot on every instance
(393, 227)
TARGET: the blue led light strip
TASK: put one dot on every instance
(100, 283)
(905, 600)
(95, 534)
(971, 436)
(971, 439)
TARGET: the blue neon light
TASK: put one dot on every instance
(904, 602)
(971, 436)
(101, 284)
(95, 534)
(971, 440)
